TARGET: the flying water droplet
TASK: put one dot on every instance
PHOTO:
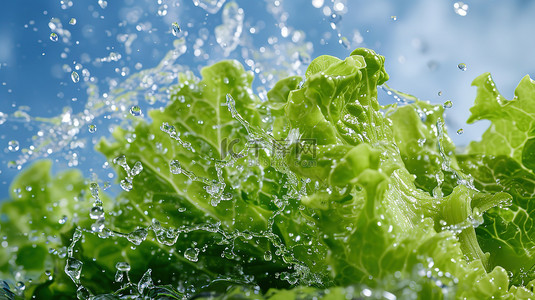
(145, 281)
(137, 236)
(175, 167)
(53, 37)
(75, 77)
(96, 212)
(123, 266)
(460, 8)
(63, 220)
(103, 4)
(136, 169)
(73, 268)
(439, 93)
(92, 128)
(448, 104)
(72, 21)
(135, 111)
(20, 286)
(175, 28)
(462, 66)
(13, 146)
(192, 254)
(126, 185)
(460, 131)
(344, 42)
(211, 6)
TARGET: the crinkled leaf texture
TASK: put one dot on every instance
(504, 161)
(314, 193)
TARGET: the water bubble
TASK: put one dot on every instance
(447, 104)
(460, 8)
(175, 28)
(13, 146)
(92, 128)
(72, 21)
(53, 37)
(75, 77)
(462, 66)
(73, 268)
(123, 266)
(103, 4)
(460, 131)
(192, 254)
(137, 236)
(135, 111)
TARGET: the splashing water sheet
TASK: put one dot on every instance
(216, 149)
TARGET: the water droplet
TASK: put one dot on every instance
(317, 3)
(460, 8)
(135, 111)
(92, 128)
(98, 226)
(83, 293)
(344, 42)
(447, 104)
(73, 268)
(460, 131)
(145, 282)
(137, 236)
(126, 185)
(75, 77)
(48, 274)
(462, 66)
(211, 6)
(268, 256)
(20, 286)
(175, 167)
(53, 37)
(103, 4)
(72, 21)
(175, 28)
(63, 220)
(13, 146)
(96, 212)
(394, 18)
(192, 254)
(440, 93)
(136, 169)
(123, 266)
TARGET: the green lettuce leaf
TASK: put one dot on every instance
(502, 161)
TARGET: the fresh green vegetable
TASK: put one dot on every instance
(317, 192)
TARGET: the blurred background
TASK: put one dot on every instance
(63, 63)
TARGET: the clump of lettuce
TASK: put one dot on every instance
(317, 192)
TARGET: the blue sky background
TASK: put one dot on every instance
(423, 42)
